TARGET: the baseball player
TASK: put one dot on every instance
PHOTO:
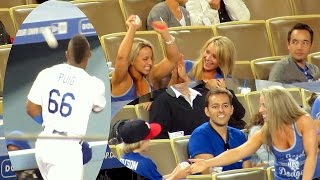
(63, 96)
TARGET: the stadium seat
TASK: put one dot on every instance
(11, 3)
(161, 153)
(270, 173)
(261, 67)
(4, 56)
(141, 112)
(199, 177)
(127, 112)
(266, 9)
(252, 99)
(241, 98)
(105, 15)
(180, 148)
(7, 21)
(314, 58)
(241, 174)
(242, 70)
(305, 7)
(138, 7)
(31, 1)
(19, 14)
(296, 94)
(111, 43)
(190, 39)
(278, 29)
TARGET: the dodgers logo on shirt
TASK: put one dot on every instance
(6, 168)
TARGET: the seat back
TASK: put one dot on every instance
(105, 15)
(190, 39)
(19, 14)
(162, 155)
(11, 3)
(270, 173)
(180, 148)
(241, 98)
(7, 21)
(305, 7)
(252, 99)
(127, 112)
(111, 43)
(141, 112)
(297, 95)
(314, 58)
(278, 29)
(4, 56)
(261, 67)
(262, 9)
(242, 174)
(138, 7)
(199, 177)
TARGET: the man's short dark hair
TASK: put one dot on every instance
(80, 47)
(300, 26)
(215, 91)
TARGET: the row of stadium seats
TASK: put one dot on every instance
(168, 153)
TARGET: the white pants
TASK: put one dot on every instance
(59, 159)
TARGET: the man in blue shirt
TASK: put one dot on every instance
(214, 137)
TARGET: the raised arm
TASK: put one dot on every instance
(230, 156)
(167, 64)
(121, 74)
(309, 139)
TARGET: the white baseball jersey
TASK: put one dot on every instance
(67, 95)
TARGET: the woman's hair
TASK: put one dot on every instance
(127, 148)
(281, 109)
(138, 44)
(255, 120)
(225, 53)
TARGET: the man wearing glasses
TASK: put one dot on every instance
(295, 68)
(214, 137)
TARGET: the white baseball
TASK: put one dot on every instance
(49, 37)
(184, 165)
(137, 20)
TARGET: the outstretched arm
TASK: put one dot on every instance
(122, 61)
(167, 64)
(309, 139)
(230, 156)
(34, 111)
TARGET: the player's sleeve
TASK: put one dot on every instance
(36, 90)
(99, 101)
(198, 144)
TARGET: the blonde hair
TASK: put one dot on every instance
(282, 109)
(138, 44)
(127, 148)
(225, 53)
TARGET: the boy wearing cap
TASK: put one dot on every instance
(136, 135)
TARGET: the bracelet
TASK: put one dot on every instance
(171, 41)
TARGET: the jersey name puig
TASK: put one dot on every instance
(66, 78)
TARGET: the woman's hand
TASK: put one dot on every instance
(134, 22)
(160, 26)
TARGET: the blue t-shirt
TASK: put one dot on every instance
(289, 163)
(205, 140)
(315, 109)
(142, 165)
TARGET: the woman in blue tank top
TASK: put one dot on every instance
(135, 72)
(288, 132)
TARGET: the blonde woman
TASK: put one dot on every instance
(135, 71)
(288, 132)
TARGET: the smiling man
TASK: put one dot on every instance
(295, 68)
(214, 137)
